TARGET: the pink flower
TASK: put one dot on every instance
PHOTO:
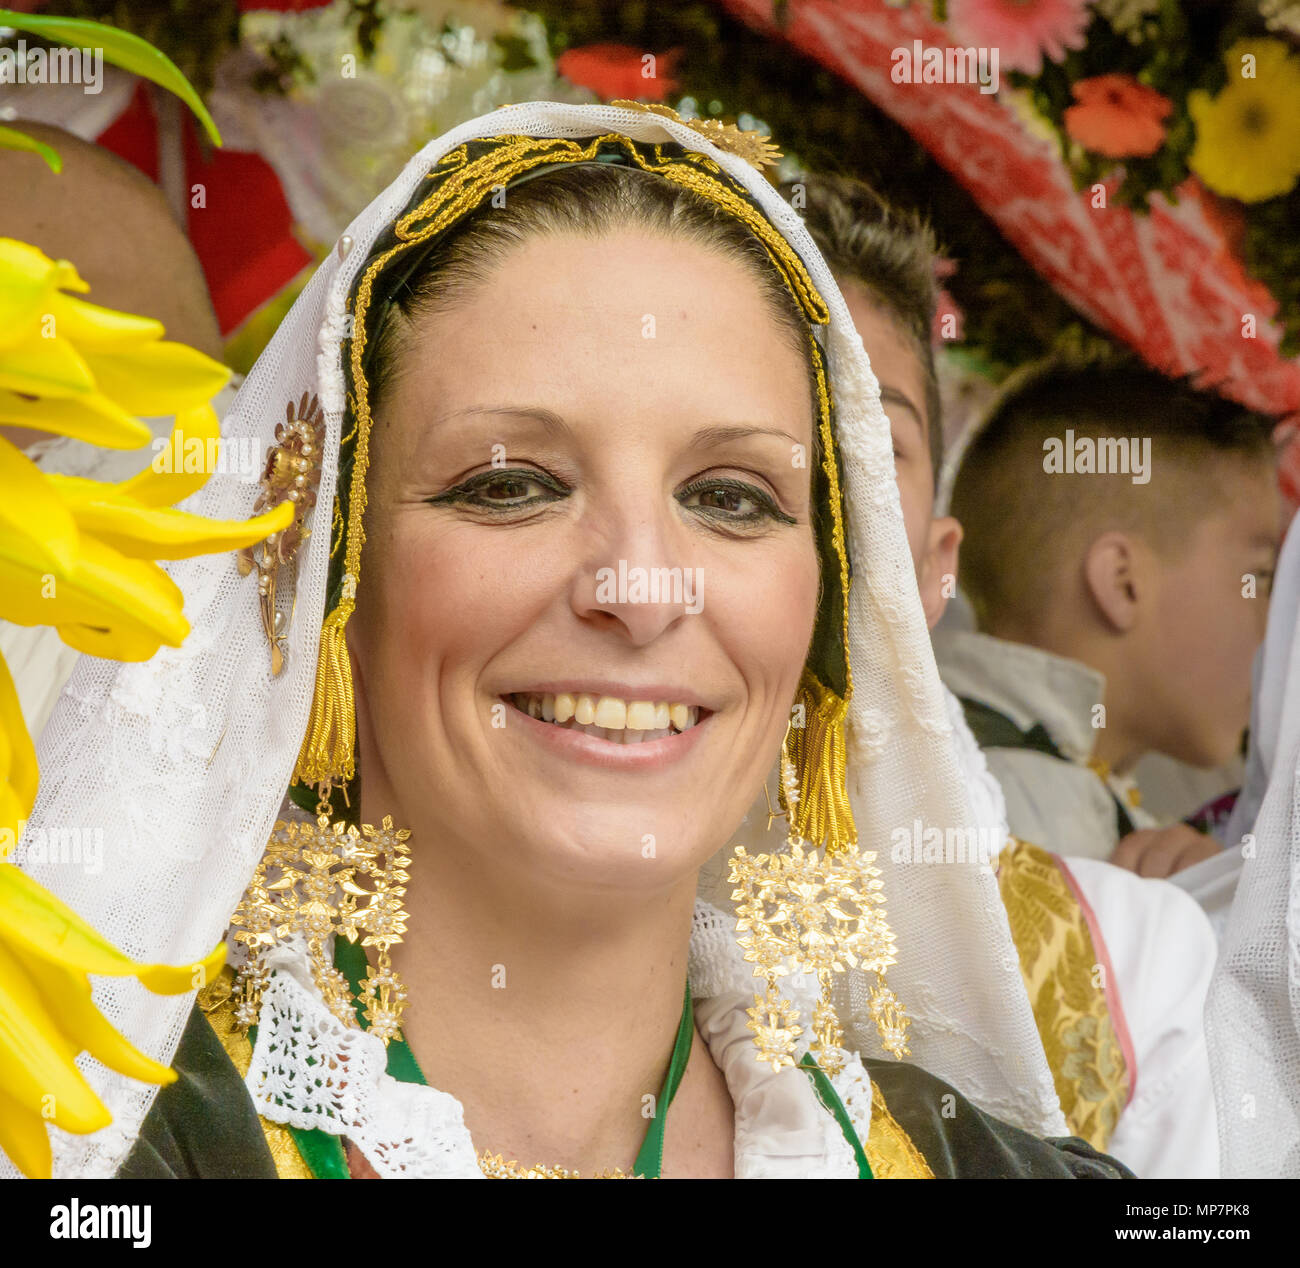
(1117, 116)
(1021, 30)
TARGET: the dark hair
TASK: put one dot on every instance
(1025, 523)
(887, 251)
(588, 200)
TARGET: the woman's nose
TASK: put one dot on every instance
(639, 575)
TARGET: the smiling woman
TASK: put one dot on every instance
(585, 583)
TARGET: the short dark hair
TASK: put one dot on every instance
(1024, 524)
(888, 251)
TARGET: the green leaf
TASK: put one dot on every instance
(11, 140)
(121, 48)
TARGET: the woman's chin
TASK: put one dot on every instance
(615, 846)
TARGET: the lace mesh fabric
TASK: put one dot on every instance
(182, 762)
(1252, 1016)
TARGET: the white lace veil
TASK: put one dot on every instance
(182, 762)
(1252, 1015)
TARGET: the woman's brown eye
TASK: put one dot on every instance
(506, 490)
(722, 499)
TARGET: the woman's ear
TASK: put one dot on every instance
(938, 579)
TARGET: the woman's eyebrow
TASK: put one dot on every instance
(550, 421)
(711, 437)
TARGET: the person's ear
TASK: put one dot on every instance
(939, 567)
(1110, 576)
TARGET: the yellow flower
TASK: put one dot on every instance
(72, 367)
(1247, 142)
(47, 1016)
(79, 555)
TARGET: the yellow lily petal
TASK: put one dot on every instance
(104, 591)
(28, 280)
(18, 770)
(34, 922)
(67, 993)
(23, 1136)
(36, 1066)
(170, 485)
(12, 812)
(143, 533)
(33, 514)
(96, 329)
(157, 378)
(91, 417)
(48, 367)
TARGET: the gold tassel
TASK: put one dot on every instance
(818, 756)
(328, 753)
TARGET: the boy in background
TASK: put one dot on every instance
(1121, 531)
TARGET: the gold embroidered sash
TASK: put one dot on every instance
(1067, 990)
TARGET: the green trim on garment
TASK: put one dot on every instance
(830, 1100)
(324, 1154)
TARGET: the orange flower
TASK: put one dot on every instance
(614, 71)
(1117, 116)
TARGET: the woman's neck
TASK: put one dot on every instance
(552, 1019)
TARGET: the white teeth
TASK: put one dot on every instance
(611, 712)
(640, 716)
(608, 717)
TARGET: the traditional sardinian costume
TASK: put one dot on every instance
(186, 761)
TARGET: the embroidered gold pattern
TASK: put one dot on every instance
(889, 1148)
(1058, 962)
(755, 148)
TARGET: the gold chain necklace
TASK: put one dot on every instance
(495, 1167)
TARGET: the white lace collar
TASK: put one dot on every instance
(310, 1071)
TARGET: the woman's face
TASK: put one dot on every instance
(590, 491)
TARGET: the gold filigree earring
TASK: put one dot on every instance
(801, 912)
(308, 883)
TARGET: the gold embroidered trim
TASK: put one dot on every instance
(1066, 990)
(889, 1148)
(217, 1001)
